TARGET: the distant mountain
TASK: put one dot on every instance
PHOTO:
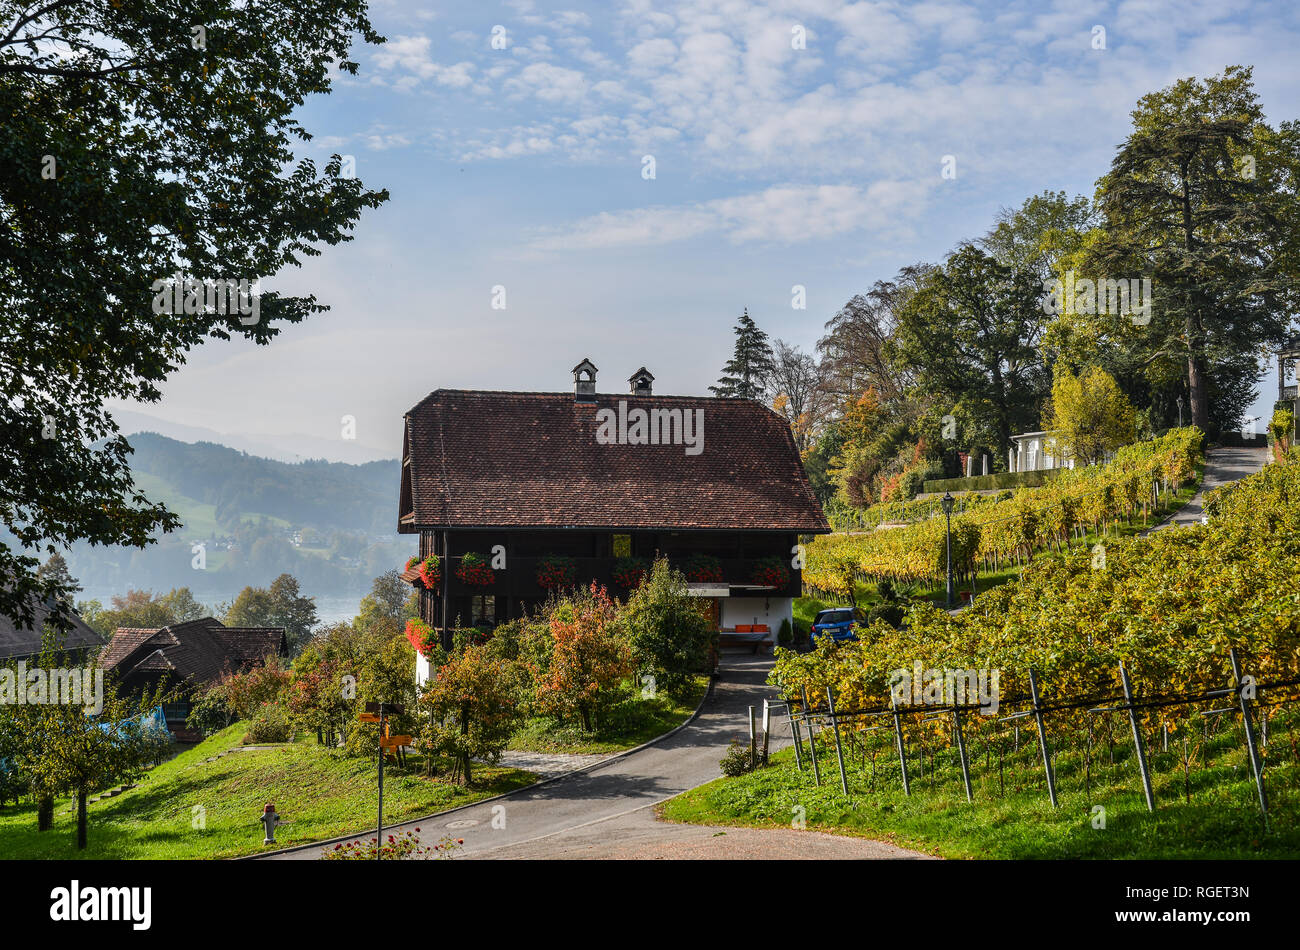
(326, 496)
(282, 448)
(333, 525)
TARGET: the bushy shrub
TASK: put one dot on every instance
(670, 634)
(269, 724)
(209, 713)
(736, 761)
(785, 635)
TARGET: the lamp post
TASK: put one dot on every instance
(1179, 400)
(947, 517)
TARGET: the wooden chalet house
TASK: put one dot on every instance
(562, 489)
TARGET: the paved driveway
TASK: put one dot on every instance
(607, 812)
(1221, 467)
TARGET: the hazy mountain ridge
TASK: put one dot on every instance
(246, 519)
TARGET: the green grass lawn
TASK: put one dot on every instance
(633, 722)
(1011, 816)
(322, 794)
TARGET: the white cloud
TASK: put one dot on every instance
(784, 214)
(411, 54)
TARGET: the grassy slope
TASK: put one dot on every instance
(637, 722)
(321, 795)
(1011, 817)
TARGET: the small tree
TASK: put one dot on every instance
(470, 709)
(384, 675)
(60, 748)
(747, 373)
(671, 636)
(1090, 415)
(320, 698)
(590, 659)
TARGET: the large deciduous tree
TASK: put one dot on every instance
(142, 140)
(967, 334)
(1201, 199)
(279, 606)
(795, 387)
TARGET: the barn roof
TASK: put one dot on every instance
(197, 651)
(25, 640)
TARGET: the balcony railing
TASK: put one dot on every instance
(519, 579)
(1290, 392)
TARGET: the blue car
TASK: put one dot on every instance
(838, 623)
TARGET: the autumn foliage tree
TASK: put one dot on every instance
(471, 708)
(1090, 415)
(590, 659)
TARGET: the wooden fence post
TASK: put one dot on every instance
(839, 751)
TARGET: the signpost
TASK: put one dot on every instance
(377, 712)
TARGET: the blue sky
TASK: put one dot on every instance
(522, 167)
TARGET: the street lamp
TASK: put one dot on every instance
(1179, 400)
(947, 503)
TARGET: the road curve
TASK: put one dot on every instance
(607, 811)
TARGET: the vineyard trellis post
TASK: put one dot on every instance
(839, 751)
(753, 756)
(898, 741)
(1042, 738)
(1138, 744)
(1248, 721)
(767, 726)
(794, 733)
(961, 750)
(812, 744)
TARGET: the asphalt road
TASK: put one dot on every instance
(607, 811)
(1221, 467)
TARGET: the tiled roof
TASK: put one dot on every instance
(505, 459)
(198, 651)
(16, 641)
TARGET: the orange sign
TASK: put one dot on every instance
(369, 717)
